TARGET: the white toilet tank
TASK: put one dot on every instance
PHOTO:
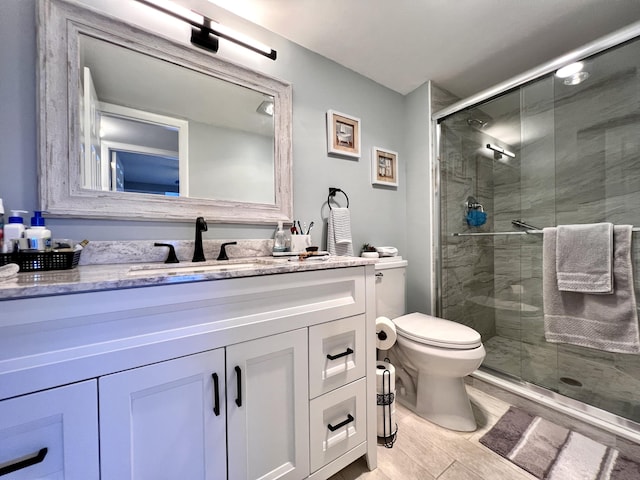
(391, 287)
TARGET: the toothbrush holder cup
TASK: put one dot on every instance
(299, 243)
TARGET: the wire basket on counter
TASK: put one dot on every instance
(42, 261)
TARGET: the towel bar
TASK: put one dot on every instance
(332, 193)
(493, 234)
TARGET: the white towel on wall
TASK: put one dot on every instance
(339, 233)
(604, 322)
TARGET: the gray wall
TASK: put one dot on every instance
(378, 214)
(419, 248)
(244, 157)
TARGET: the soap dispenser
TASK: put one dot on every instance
(279, 239)
(38, 236)
(13, 231)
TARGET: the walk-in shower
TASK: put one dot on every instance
(574, 158)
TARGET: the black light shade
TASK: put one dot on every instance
(207, 34)
(204, 39)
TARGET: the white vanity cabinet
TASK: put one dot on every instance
(289, 354)
(172, 420)
(51, 434)
(161, 421)
(268, 407)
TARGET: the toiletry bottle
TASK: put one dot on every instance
(279, 239)
(38, 236)
(13, 231)
(1, 226)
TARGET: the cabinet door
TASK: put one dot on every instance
(51, 435)
(160, 421)
(268, 408)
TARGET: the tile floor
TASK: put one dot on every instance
(424, 451)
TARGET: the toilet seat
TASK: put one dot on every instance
(437, 332)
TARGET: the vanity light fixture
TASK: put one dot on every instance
(205, 32)
(569, 70)
(572, 74)
(266, 108)
(498, 152)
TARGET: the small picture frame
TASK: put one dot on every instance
(343, 134)
(384, 167)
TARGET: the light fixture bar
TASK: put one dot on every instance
(204, 27)
(500, 150)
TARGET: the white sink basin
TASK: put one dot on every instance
(188, 269)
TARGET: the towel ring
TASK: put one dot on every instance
(332, 193)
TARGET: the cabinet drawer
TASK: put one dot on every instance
(336, 354)
(338, 422)
(51, 434)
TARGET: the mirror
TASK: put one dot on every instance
(136, 126)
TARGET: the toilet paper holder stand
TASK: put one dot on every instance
(385, 400)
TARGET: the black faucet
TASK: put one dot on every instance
(223, 251)
(171, 257)
(198, 253)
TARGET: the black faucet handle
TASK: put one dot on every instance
(223, 250)
(171, 257)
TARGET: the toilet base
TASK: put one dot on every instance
(445, 402)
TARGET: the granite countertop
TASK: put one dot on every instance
(96, 277)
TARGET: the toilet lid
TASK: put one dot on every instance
(437, 331)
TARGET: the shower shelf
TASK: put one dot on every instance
(493, 234)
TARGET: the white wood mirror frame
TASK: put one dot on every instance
(60, 25)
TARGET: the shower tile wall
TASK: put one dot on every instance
(577, 161)
(467, 263)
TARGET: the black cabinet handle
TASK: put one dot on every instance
(216, 394)
(37, 458)
(239, 383)
(341, 424)
(343, 354)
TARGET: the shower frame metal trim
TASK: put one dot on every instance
(610, 422)
(613, 39)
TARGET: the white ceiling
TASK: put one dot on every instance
(464, 46)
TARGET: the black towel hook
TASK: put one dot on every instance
(332, 193)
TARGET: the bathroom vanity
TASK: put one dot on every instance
(257, 368)
(264, 372)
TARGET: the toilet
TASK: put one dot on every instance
(431, 355)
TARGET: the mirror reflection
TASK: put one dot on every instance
(151, 126)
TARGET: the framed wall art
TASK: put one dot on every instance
(343, 134)
(384, 167)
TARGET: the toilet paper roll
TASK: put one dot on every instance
(385, 333)
(381, 377)
(386, 420)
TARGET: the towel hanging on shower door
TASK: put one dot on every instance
(604, 322)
